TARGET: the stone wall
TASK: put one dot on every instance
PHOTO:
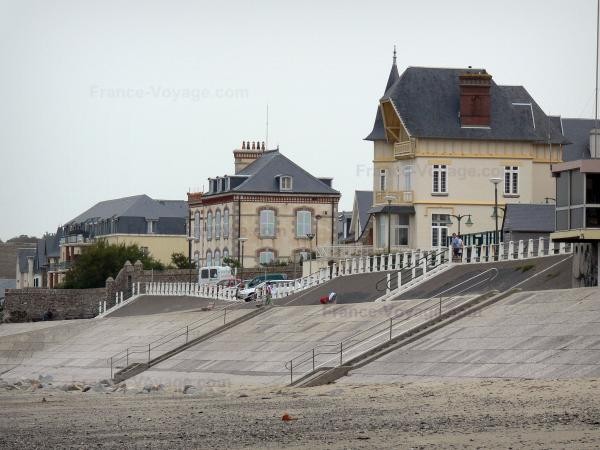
(30, 304)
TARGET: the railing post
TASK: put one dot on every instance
(424, 263)
(399, 279)
(561, 248)
(389, 279)
(100, 307)
(104, 306)
(521, 249)
(530, 248)
(511, 250)
(540, 251)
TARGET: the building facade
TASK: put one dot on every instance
(270, 209)
(440, 137)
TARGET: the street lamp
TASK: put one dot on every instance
(460, 217)
(496, 181)
(389, 199)
(310, 237)
(242, 240)
(317, 217)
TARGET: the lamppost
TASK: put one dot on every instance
(242, 240)
(460, 217)
(317, 217)
(389, 199)
(310, 237)
(496, 181)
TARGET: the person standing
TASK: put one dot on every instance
(456, 244)
(269, 293)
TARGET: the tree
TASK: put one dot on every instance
(233, 263)
(101, 260)
(181, 261)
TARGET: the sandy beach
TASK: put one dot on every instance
(418, 414)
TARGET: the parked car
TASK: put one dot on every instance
(229, 282)
(252, 293)
(267, 277)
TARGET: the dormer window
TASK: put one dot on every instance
(285, 183)
(227, 184)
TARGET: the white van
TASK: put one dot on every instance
(214, 274)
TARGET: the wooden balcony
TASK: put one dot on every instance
(400, 197)
(404, 150)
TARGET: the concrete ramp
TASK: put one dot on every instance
(79, 350)
(549, 334)
(255, 351)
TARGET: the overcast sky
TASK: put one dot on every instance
(105, 99)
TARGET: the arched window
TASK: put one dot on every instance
(226, 223)
(209, 261)
(267, 223)
(217, 258)
(218, 224)
(209, 225)
(225, 253)
(197, 258)
(197, 225)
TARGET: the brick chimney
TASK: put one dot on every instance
(249, 152)
(475, 99)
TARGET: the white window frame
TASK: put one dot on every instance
(285, 183)
(382, 231)
(439, 230)
(266, 222)
(303, 223)
(511, 180)
(197, 226)
(151, 226)
(226, 223)
(396, 227)
(209, 225)
(408, 178)
(439, 179)
(217, 258)
(262, 260)
(383, 180)
(218, 224)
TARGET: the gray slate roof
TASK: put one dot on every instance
(364, 200)
(22, 256)
(262, 176)
(577, 131)
(135, 206)
(47, 247)
(428, 101)
(529, 217)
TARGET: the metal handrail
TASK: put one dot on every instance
(386, 326)
(414, 265)
(177, 333)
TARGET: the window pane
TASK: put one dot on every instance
(303, 223)
(562, 220)
(226, 223)
(267, 222)
(592, 217)
(209, 225)
(266, 257)
(218, 224)
(592, 188)
(562, 189)
(576, 218)
(576, 188)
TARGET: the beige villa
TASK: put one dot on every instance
(270, 209)
(440, 136)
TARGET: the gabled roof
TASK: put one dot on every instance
(525, 217)
(262, 176)
(362, 203)
(577, 131)
(428, 102)
(22, 256)
(378, 132)
(135, 206)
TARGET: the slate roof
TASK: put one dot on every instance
(135, 206)
(364, 200)
(263, 172)
(577, 131)
(47, 247)
(428, 102)
(529, 217)
(22, 256)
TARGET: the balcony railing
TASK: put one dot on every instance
(60, 267)
(399, 197)
(404, 150)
